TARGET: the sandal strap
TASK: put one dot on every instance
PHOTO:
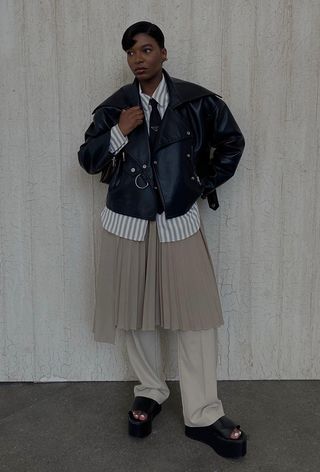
(144, 404)
(224, 426)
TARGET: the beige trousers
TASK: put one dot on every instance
(197, 363)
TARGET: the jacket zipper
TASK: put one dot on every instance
(114, 159)
(160, 191)
(193, 169)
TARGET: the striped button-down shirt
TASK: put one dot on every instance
(172, 229)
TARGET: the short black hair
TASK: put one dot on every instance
(142, 27)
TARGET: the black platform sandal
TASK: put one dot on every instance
(141, 428)
(217, 435)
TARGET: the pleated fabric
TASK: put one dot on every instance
(143, 284)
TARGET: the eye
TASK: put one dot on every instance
(144, 50)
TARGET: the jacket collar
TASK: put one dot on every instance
(179, 90)
(173, 126)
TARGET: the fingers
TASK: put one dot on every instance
(136, 107)
(135, 111)
(134, 117)
(138, 114)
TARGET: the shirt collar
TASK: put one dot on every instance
(159, 94)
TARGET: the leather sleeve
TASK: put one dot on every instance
(228, 142)
(94, 153)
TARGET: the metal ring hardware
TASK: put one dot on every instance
(135, 181)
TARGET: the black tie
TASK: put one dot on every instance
(154, 125)
(155, 121)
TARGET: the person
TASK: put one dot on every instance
(167, 142)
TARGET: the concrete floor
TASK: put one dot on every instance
(82, 426)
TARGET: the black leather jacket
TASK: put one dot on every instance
(182, 165)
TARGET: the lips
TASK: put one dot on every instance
(140, 69)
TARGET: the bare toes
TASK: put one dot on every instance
(235, 434)
(138, 414)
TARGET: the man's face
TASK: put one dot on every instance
(147, 55)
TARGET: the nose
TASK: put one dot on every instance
(138, 58)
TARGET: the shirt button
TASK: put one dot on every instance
(132, 169)
(144, 166)
(155, 162)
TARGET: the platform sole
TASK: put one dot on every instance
(224, 447)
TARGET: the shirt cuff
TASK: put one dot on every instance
(117, 139)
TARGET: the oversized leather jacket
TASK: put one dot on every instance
(198, 148)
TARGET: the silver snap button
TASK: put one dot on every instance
(155, 162)
(188, 155)
(144, 166)
(132, 169)
(188, 132)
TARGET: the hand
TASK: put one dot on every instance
(130, 118)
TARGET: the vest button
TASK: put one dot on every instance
(192, 177)
(155, 162)
(156, 188)
(188, 132)
(188, 155)
(144, 166)
(132, 169)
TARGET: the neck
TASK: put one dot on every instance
(150, 85)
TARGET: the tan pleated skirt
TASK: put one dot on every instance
(143, 284)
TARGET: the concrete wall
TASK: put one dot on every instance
(59, 60)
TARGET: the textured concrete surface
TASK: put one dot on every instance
(83, 426)
(59, 60)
